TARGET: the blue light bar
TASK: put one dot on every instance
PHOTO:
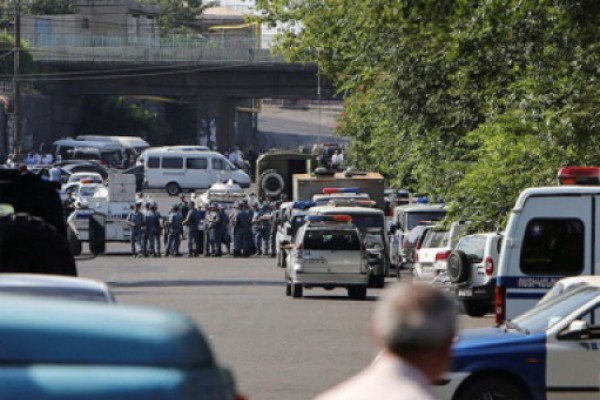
(303, 205)
(341, 190)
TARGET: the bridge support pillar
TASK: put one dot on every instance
(224, 122)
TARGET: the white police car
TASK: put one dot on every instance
(550, 352)
(327, 252)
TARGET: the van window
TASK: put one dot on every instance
(331, 240)
(196, 163)
(172, 162)
(153, 162)
(415, 218)
(218, 164)
(553, 247)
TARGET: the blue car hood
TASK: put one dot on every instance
(493, 340)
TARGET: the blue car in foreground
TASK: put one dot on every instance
(550, 352)
(74, 350)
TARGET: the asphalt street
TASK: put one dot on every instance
(278, 347)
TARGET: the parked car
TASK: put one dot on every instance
(569, 283)
(89, 166)
(472, 269)
(54, 286)
(56, 349)
(90, 177)
(549, 352)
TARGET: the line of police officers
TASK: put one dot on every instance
(208, 229)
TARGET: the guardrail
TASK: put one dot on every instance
(177, 48)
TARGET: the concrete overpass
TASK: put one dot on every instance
(216, 73)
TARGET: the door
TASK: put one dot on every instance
(329, 251)
(573, 364)
(197, 175)
(550, 239)
(220, 171)
(172, 170)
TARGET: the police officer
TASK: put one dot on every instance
(213, 226)
(192, 221)
(175, 231)
(261, 222)
(225, 225)
(135, 220)
(241, 231)
(145, 211)
(152, 231)
(275, 221)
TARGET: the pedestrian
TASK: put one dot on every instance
(54, 174)
(145, 211)
(275, 222)
(225, 225)
(253, 227)
(152, 225)
(262, 228)
(415, 326)
(336, 160)
(159, 229)
(175, 231)
(201, 233)
(192, 221)
(213, 227)
(135, 220)
(241, 231)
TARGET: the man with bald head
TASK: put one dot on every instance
(415, 326)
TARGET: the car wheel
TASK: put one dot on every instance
(377, 282)
(492, 389)
(75, 246)
(475, 308)
(173, 189)
(271, 183)
(458, 266)
(296, 290)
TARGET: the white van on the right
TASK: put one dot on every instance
(551, 233)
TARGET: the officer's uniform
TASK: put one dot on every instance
(136, 221)
(213, 226)
(175, 232)
(261, 222)
(241, 232)
(152, 229)
(191, 221)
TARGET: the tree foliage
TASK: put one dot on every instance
(470, 100)
(7, 58)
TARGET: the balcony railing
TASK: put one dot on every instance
(147, 49)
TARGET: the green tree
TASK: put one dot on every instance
(468, 100)
(7, 58)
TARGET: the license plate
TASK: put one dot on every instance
(465, 292)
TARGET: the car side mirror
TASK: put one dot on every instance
(97, 230)
(577, 329)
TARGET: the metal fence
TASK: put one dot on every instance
(174, 48)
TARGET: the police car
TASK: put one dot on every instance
(550, 352)
(290, 219)
(327, 252)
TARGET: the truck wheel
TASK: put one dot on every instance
(271, 183)
(357, 292)
(475, 308)
(377, 282)
(296, 290)
(75, 245)
(492, 389)
(47, 254)
(288, 288)
(458, 267)
(173, 189)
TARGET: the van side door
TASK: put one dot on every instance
(551, 238)
(197, 175)
(219, 169)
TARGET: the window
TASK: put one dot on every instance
(553, 247)
(415, 218)
(196, 163)
(331, 240)
(172, 162)
(153, 162)
(473, 246)
(218, 164)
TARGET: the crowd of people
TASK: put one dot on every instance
(211, 230)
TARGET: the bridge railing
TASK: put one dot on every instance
(148, 49)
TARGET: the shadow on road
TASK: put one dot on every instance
(191, 283)
(339, 298)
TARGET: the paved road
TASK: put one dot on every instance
(278, 347)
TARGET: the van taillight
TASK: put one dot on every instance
(442, 256)
(489, 266)
(418, 245)
(500, 304)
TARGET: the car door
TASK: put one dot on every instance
(197, 175)
(219, 171)
(573, 364)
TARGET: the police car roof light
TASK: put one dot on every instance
(340, 190)
(329, 218)
(579, 176)
(423, 200)
(302, 205)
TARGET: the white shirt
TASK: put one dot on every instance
(387, 378)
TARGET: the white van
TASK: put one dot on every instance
(175, 170)
(111, 153)
(129, 143)
(551, 233)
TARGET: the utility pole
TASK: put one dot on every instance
(17, 83)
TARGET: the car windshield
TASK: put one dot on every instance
(87, 191)
(415, 218)
(364, 222)
(435, 238)
(549, 313)
(325, 239)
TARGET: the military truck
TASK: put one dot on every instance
(305, 186)
(275, 169)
